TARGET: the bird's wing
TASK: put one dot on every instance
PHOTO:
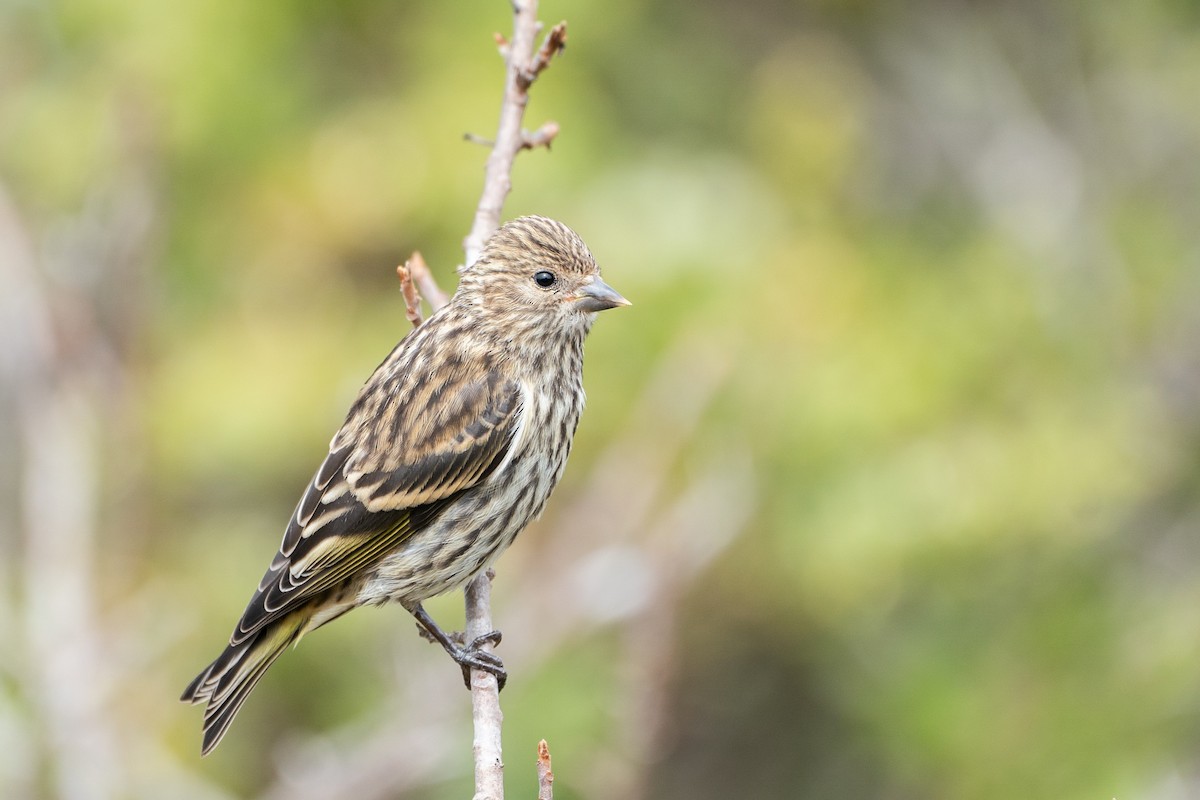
(400, 456)
(436, 441)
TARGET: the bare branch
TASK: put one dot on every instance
(423, 279)
(416, 281)
(555, 43)
(542, 137)
(545, 776)
(521, 71)
(475, 138)
(485, 696)
(412, 300)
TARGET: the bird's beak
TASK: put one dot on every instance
(597, 296)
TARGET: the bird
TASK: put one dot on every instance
(450, 449)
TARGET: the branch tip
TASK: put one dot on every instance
(545, 777)
(412, 298)
(502, 44)
(542, 137)
(475, 138)
(554, 44)
(423, 280)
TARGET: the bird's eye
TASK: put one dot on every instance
(544, 279)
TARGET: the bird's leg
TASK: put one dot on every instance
(468, 656)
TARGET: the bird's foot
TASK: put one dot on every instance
(468, 656)
(458, 637)
(473, 656)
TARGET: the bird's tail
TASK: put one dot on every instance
(226, 683)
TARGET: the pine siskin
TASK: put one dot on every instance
(452, 446)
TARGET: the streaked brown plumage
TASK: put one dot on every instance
(452, 446)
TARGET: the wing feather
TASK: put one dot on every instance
(370, 494)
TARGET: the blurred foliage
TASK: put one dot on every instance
(949, 248)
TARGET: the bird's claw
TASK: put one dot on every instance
(472, 656)
(468, 656)
(491, 637)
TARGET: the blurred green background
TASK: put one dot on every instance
(889, 484)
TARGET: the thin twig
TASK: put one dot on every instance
(475, 138)
(521, 72)
(412, 299)
(485, 696)
(416, 281)
(542, 137)
(545, 776)
(555, 43)
(425, 283)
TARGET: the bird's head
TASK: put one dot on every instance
(541, 269)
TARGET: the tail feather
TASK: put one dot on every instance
(226, 683)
